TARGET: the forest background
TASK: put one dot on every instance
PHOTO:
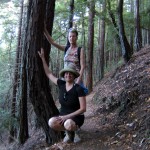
(109, 31)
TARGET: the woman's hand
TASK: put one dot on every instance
(41, 54)
(62, 119)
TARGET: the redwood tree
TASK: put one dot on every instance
(38, 89)
(126, 50)
(89, 82)
(138, 35)
(102, 43)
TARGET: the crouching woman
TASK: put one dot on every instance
(72, 100)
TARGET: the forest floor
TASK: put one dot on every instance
(118, 112)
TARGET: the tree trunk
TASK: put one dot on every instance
(71, 10)
(126, 50)
(148, 41)
(102, 43)
(23, 132)
(37, 82)
(13, 129)
(113, 20)
(131, 28)
(23, 118)
(83, 43)
(138, 35)
(49, 19)
(90, 46)
(71, 14)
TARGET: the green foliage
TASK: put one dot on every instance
(6, 120)
(8, 40)
(145, 15)
(4, 1)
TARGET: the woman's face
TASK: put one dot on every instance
(72, 38)
(69, 77)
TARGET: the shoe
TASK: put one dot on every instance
(69, 137)
(76, 137)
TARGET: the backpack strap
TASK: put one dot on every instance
(66, 48)
(79, 50)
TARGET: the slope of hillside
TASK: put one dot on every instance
(118, 115)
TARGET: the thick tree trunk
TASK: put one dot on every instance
(126, 50)
(39, 90)
(49, 18)
(37, 82)
(83, 43)
(138, 35)
(23, 132)
(131, 28)
(90, 46)
(23, 118)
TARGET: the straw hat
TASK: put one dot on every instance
(69, 68)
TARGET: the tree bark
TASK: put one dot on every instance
(23, 131)
(23, 118)
(37, 83)
(90, 46)
(138, 35)
(113, 20)
(13, 129)
(131, 28)
(71, 14)
(126, 50)
(102, 43)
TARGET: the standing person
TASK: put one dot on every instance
(72, 54)
(72, 100)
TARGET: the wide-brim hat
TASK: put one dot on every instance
(69, 69)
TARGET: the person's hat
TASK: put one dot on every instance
(69, 68)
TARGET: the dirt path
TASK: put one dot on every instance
(90, 133)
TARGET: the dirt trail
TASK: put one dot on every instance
(90, 131)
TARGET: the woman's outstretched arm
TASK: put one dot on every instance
(46, 68)
(51, 41)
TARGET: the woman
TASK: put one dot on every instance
(71, 56)
(72, 100)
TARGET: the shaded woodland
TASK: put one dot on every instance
(110, 31)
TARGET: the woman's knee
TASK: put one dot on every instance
(52, 122)
(55, 124)
(70, 125)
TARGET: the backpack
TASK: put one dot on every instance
(78, 51)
